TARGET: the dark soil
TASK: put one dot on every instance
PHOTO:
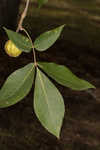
(19, 127)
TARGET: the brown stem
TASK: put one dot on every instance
(20, 27)
(35, 62)
(23, 16)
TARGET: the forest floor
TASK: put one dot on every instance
(19, 127)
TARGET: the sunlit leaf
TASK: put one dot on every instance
(48, 104)
(64, 76)
(22, 42)
(47, 39)
(17, 86)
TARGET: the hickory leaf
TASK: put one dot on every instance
(17, 86)
(47, 39)
(48, 104)
(21, 42)
(64, 76)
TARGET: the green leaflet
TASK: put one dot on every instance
(22, 42)
(47, 39)
(17, 86)
(48, 104)
(64, 76)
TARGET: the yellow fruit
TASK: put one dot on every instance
(11, 49)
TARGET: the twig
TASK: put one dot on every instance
(23, 16)
(20, 27)
(34, 54)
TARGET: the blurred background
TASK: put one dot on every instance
(77, 48)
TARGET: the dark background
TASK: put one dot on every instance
(79, 49)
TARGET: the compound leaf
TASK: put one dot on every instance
(48, 104)
(47, 39)
(17, 86)
(64, 76)
(21, 42)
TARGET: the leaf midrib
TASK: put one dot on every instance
(22, 83)
(46, 97)
(52, 75)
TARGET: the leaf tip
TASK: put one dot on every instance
(62, 26)
(90, 86)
